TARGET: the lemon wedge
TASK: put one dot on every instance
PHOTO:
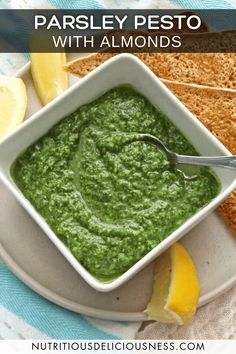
(13, 103)
(49, 77)
(176, 287)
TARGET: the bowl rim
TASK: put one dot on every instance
(173, 237)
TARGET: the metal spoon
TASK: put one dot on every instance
(222, 161)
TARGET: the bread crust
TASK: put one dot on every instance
(210, 69)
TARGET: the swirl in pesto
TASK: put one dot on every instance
(109, 197)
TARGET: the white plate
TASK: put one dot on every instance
(31, 255)
(122, 69)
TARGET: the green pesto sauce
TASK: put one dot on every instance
(110, 201)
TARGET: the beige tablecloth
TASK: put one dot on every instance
(217, 320)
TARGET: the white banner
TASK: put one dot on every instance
(124, 347)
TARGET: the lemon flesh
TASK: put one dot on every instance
(176, 287)
(13, 101)
(49, 77)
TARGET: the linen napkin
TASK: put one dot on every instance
(27, 315)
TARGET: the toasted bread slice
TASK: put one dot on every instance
(216, 108)
(211, 69)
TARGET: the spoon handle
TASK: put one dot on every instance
(224, 161)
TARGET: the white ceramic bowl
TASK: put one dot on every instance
(122, 69)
